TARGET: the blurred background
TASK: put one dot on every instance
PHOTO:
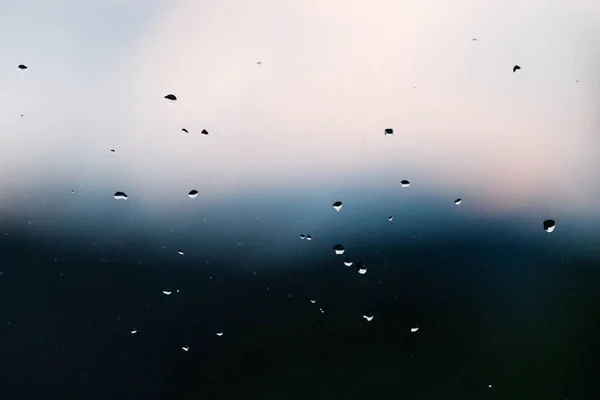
(295, 96)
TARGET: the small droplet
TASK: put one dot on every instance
(171, 97)
(308, 237)
(414, 329)
(120, 196)
(133, 332)
(167, 292)
(549, 225)
(185, 130)
(338, 249)
(391, 218)
(322, 312)
(22, 67)
(361, 268)
(348, 262)
(388, 132)
(220, 333)
(474, 39)
(489, 386)
(337, 206)
(180, 252)
(302, 236)
(204, 132)
(313, 301)
(193, 194)
(112, 150)
(405, 183)
(368, 317)
(72, 191)
(185, 348)
(259, 63)
(458, 201)
(516, 68)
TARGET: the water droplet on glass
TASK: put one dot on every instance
(489, 386)
(308, 237)
(313, 301)
(180, 252)
(361, 268)
(414, 329)
(348, 262)
(457, 201)
(259, 63)
(120, 196)
(388, 132)
(338, 249)
(391, 218)
(302, 236)
(133, 332)
(220, 333)
(193, 194)
(185, 130)
(549, 225)
(167, 292)
(171, 97)
(322, 312)
(337, 206)
(516, 68)
(405, 183)
(185, 348)
(22, 67)
(368, 317)
(112, 150)
(474, 39)
(204, 132)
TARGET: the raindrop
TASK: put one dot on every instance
(405, 183)
(171, 97)
(185, 130)
(308, 237)
(388, 132)
(167, 292)
(368, 317)
(180, 252)
(338, 249)
(414, 329)
(337, 206)
(391, 218)
(458, 201)
(302, 236)
(348, 262)
(313, 301)
(22, 67)
(516, 68)
(193, 194)
(549, 225)
(120, 196)
(112, 150)
(220, 333)
(133, 332)
(361, 268)
(204, 132)
(185, 348)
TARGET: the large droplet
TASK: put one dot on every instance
(338, 249)
(185, 130)
(405, 183)
(112, 150)
(414, 328)
(185, 348)
(458, 201)
(308, 237)
(388, 132)
(193, 194)
(167, 292)
(337, 206)
(313, 301)
(302, 236)
(361, 268)
(549, 225)
(220, 333)
(180, 252)
(391, 218)
(368, 317)
(120, 196)
(348, 262)
(22, 67)
(204, 132)
(171, 97)
(516, 68)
